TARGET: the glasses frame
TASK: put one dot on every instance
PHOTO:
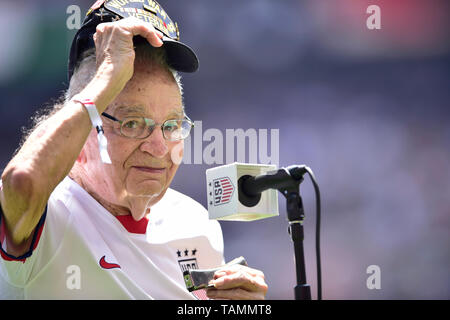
(161, 125)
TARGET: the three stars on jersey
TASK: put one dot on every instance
(188, 261)
(186, 252)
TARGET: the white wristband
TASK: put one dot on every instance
(98, 125)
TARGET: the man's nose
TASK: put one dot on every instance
(155, 144)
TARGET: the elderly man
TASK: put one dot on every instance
(88, 213)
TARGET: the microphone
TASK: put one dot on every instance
(250, 187)
(247, 192)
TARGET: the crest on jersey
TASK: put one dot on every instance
(187, 261)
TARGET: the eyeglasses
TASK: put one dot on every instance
(141, 128)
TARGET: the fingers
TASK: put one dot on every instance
(143, 29)
(234, 294)
(240, 279)
(238, 282)
(127, 28)
(236, 268)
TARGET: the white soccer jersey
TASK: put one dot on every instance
(81, 251)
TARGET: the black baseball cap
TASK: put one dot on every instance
(179, 56)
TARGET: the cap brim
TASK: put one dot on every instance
(180, 56)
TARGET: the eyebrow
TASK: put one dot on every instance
(141, 110)
(129, 109)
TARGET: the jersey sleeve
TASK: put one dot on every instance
(15, 269)
(34, 242)
(20, 270)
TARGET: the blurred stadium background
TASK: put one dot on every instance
(367, 110)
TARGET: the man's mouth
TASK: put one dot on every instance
(155, 170)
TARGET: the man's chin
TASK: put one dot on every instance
(147, 188)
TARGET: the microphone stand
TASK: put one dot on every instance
(295, 214)
(287, 181)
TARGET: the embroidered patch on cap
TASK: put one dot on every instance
(148, 11)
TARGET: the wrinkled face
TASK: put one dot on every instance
(140, 167)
